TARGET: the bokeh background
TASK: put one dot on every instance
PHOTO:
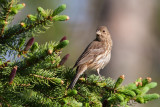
(133, 24)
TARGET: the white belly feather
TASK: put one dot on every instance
(102, 60)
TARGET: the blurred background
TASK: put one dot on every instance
(134, 26)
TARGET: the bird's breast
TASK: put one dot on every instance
(101, 61)
(104, 60)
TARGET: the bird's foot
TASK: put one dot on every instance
(85, 76)
(100, 79)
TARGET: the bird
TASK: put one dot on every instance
(96, 55)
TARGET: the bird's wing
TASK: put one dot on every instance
(94, 49)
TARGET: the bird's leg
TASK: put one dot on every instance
(85, 76)
(99, 74)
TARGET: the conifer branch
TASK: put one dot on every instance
(6, 18)
(24, 85)
(3, 100)
(29, 27)
(46, 78)
(23, 30)
(13, 48)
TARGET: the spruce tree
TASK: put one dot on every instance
(33, 75)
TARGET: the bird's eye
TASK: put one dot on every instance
(103, 30)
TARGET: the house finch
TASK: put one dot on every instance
(95, 56)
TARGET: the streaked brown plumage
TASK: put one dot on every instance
(95, 56)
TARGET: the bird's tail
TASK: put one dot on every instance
(74, 81)
(80, 71)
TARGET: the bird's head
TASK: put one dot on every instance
(102, 33)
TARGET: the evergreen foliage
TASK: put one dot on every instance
(36, 77)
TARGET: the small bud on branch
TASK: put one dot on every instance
(119, 81)
(23, 24)
(29, 44)
(64, 59)
(12, 75)
(59, 9)
(50, 51)
(62, 44)
(32, 17)
(64, 38)
(60, 18)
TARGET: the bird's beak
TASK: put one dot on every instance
(98, 32)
